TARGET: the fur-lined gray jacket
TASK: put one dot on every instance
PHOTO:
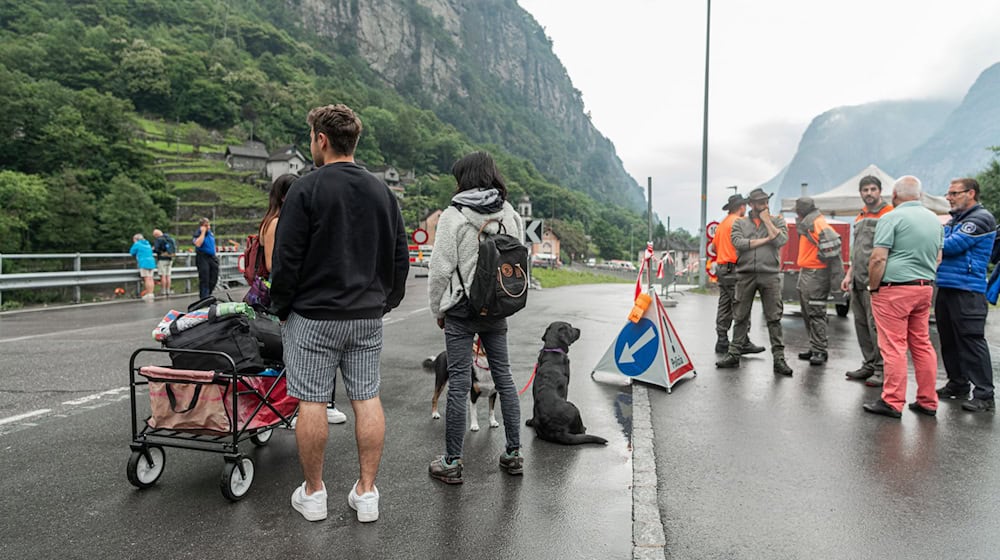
(456, 247)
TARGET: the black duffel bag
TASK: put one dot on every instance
(231, 334)
(268, 333)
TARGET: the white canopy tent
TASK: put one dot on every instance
(844, 200)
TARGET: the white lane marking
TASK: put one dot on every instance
(70, 331)
(392, 320)
(32, 414)
(95, 396)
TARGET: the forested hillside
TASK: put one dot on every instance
(80, 171)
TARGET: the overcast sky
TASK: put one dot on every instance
(775, 65)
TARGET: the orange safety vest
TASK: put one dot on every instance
(876, 215)
(809, 249)
(724, 250)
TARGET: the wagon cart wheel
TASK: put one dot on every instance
(145, 466)
(236, 484)
(260, 439)
(842, 309)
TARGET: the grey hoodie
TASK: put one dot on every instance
(456, 247)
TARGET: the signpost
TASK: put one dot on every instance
(420, 236)
(532, 230)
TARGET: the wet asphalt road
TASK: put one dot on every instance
(66, 494)
(749, 465)
(752, 465)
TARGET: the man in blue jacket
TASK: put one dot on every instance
(961, 300)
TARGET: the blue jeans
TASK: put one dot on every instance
(458, 335)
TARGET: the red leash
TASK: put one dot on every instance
(532, 378)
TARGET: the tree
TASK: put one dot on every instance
(72, 222)
(23, 206)
(123, 212)
(572, 239)
(142, 74)
(989, 184)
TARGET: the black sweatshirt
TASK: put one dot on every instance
(340, 248)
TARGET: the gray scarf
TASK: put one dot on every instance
(481, 201)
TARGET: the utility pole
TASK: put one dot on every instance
(702, 276)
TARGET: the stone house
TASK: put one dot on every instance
(390, 176)
(287, 159)
(251, 156)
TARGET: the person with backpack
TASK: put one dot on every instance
(820, 268)
(165, 248)
(478, 210)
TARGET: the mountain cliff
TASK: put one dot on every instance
(959, 147)
(842, 141)
(486, 67)
(934, 140)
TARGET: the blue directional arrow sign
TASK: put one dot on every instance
(637, 347)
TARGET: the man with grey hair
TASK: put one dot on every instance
(901, 272)
(143, 254)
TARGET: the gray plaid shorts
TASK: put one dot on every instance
(314, 350)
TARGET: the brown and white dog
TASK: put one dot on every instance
(555, 418)
(482, 384)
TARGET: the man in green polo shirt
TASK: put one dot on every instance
(901, 272)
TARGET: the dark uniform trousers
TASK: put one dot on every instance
(726, 274)
(814, 289)
(768, 285)
(961, 324)
(864, 327)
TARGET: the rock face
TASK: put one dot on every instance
(934, 140)
(843, 141)
(958, 148)
(457, 56)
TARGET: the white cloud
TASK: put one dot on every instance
(775, 64)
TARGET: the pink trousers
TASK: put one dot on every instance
(902, 314)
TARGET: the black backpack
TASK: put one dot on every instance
(169, 246)
(500, 285)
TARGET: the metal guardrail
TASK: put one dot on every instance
(183, 270)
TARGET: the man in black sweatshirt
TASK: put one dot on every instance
(340, 263)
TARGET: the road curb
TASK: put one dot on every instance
(648, 540)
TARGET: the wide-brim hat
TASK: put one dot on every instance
(734, 201)
(758, 195)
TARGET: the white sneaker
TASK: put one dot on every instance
(366, 504)
(334, 416)
(148, 298)
(312, 506)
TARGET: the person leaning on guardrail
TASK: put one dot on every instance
(143, 254)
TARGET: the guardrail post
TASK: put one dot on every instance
(76, 268)
(187, 283)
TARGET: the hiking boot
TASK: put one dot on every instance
(334, 416)
(917, 407)
(979, 405)
(875, 380)
(817, 358)
(805, 355)
(512, 462)
(860, 374)
(952, 392)
(751, 348)
(780, 367)
(449, 473)
(881, 407)
(722, 345)
(311, 506)
(730, 360)
(366, 504)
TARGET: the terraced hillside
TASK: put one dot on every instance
(192, 161)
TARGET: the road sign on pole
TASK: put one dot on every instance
(532, 230)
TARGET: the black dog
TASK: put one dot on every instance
(555, 418)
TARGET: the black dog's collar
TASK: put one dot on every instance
(557, 350)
